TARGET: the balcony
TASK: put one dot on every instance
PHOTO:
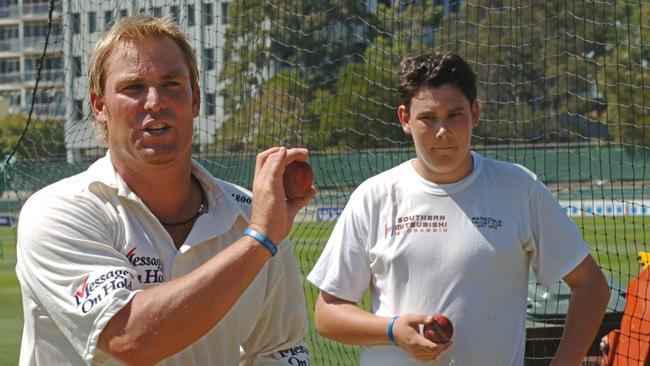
(10, 45)
(46, 75)
(39, 9)
(9, 78)
(37, 43)
(10, 11)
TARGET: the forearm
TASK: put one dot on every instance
(163, 320)
(347, 323)
(586, 310)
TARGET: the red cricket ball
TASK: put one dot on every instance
(298, 178)
(440, 330)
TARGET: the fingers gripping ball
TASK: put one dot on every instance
(440, 330)
(298, 178)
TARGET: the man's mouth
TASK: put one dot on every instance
(156, 129)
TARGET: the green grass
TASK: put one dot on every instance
(308, 240)
(11, 314)
(614, 241)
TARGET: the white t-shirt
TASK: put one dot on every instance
(87, 244)
(459, 249)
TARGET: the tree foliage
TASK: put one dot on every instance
(552, 71)
(625, 76)
(536, 63)
(43, 139)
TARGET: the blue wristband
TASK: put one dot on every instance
(266, 242)
(391, 338)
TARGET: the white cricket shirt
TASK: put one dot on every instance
(461, 249)
(87, 244)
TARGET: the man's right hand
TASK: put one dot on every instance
(406, 331)
(273, 214)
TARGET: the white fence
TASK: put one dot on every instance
(606, 208)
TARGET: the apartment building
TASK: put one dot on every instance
(76, 24)
(23, 30)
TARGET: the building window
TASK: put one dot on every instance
(224, 13)
(208, 56)
(108, 18)
(76, 65)
(9, 40)
(124, 13)
(51, 68)
(156, 12)
(175, 13)
(9, 65)
(78, 112)
(190, 15)
(454, 6)
(9, 70)
(211, 103)
(208, 15)
(92, 22)
(76, 23)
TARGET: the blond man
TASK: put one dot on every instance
(146, 258)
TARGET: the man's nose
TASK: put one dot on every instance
(153, 101)
(442, 129)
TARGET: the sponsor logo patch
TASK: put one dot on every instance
(152, 271)
(296, 356)
(420, 223)
(94, 289)
(487, 222)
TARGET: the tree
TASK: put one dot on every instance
(313, 38)
(360, 112)
(43, 139)
(536, 63)
(626, 77)
(278, 116)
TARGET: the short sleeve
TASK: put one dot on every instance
(343, 269)
(558, 245)
(69, 267)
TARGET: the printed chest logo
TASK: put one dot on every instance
(240, 198)
(152, 268)
(94, 289)
(420, 223)
(297, 356)
(487, 222)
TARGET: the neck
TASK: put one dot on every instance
(169, 190)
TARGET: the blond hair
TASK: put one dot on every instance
(136, 28)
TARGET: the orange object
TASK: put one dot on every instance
(630, 345)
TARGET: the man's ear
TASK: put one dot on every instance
(99, 108)
(403, 116)
(476, 109)
(196, 99)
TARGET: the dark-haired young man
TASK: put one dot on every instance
(455, 233)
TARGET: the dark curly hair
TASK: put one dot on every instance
(432, 70)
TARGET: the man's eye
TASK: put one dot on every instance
(133, 87)
(171, 83)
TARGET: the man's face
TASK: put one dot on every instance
(148, 104)
(441, 121)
